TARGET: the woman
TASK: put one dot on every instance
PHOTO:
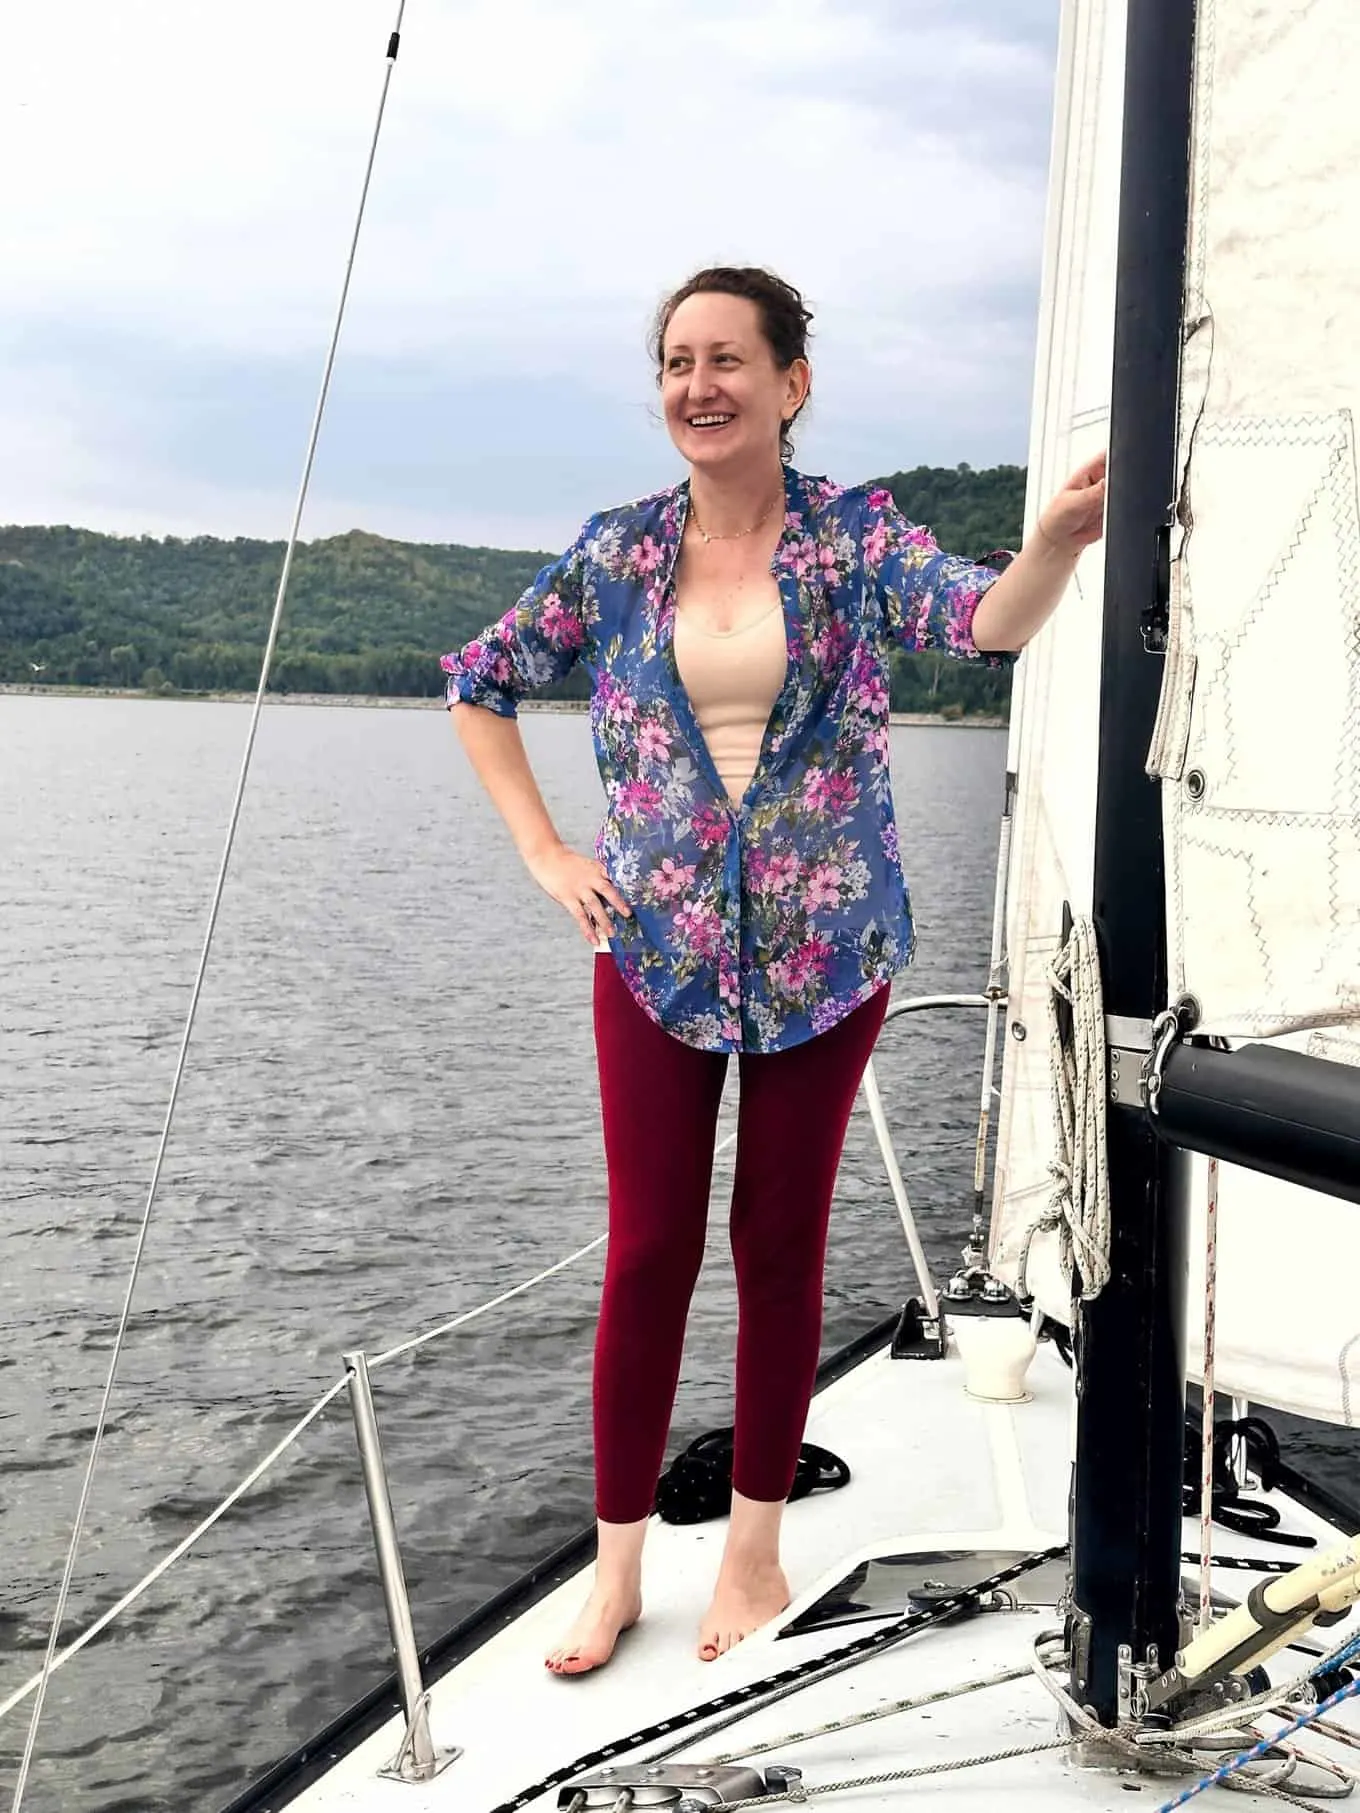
(745, 894)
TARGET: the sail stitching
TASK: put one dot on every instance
(1328, 510)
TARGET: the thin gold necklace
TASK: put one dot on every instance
(741, 534)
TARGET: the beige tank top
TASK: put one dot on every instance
(733, 680)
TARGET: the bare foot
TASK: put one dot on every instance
(745, 1598)
(590, 1641)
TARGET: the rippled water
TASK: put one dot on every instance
(390, 1115)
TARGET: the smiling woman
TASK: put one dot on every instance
(732, 344)
(746, 894)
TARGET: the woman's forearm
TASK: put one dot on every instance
(496, 750)
(1016, 608)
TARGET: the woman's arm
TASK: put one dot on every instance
(536, 643)
(500, 761)
(1013, 610)
(496, 750)
(938, 601)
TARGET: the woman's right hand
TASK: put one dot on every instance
(579, 884)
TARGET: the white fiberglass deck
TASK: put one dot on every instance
(930, 1467)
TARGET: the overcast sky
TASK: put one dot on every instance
(181, 179)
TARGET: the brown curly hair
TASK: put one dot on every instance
(784, 319)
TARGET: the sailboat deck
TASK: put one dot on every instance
(932, 1468)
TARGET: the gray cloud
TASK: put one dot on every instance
(160, 341)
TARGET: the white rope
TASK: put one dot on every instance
(101, 1421)
(889, 1710)
(1349, 1777)
(1079, 1208)
(1206, 1472)
(811, 1790)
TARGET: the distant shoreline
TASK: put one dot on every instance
(372, 701)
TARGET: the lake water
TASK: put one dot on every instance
(390, 1115)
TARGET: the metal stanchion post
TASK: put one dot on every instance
(418, 1760)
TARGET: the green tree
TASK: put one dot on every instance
(366, 615)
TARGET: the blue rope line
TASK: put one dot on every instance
(1257, 1751)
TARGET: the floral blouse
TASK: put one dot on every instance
(754, 926)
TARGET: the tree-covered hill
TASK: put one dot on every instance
(365, 615)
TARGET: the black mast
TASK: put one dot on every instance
(1126, 1503)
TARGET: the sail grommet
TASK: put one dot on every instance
(1019, 1031)
(1196, 784)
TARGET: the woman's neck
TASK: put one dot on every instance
(727, 504)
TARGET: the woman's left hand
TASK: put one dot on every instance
(1076, 516)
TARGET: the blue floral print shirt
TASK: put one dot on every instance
(754, 926)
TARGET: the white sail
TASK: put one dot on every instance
(1054, 711)
(1258, 745)
(1261, 752)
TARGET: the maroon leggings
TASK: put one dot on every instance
(660, 1101)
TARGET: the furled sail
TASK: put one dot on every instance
(1258, 741)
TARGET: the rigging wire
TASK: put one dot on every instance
(1206, 1433)
(266, 662)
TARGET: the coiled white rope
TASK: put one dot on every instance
(1079, 1208)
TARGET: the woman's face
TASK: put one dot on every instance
(725, 399)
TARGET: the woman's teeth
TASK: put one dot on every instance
(709, 421)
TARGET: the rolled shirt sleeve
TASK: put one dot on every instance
(928, 599)
(535, 644)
